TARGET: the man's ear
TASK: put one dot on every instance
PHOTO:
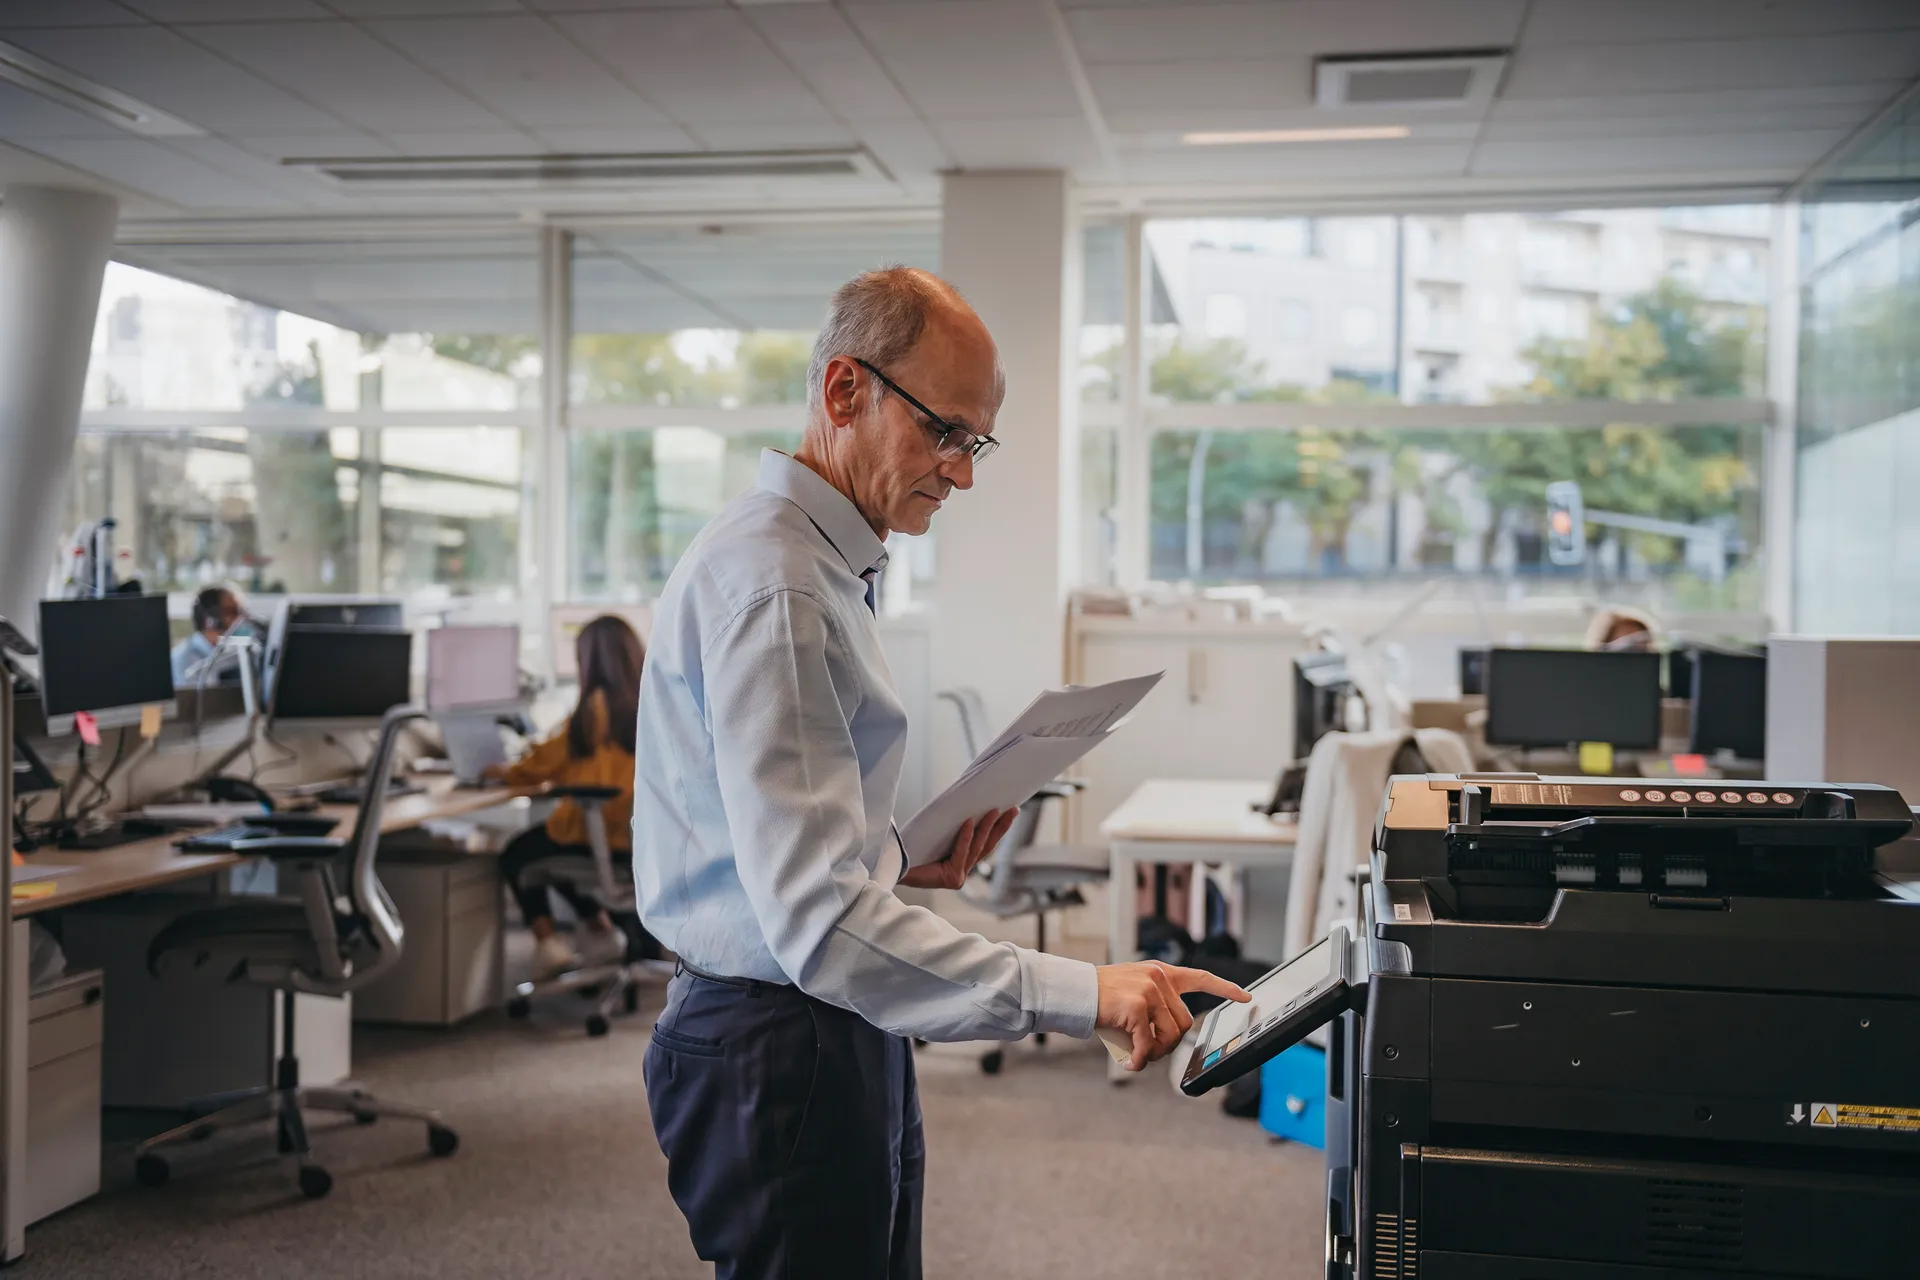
(842, 390)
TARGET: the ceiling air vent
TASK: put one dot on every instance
(1462, 78)
(57, 84)
(600, 172)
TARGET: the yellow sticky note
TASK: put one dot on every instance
(150, 720)
(34, 889)
(1596, 757)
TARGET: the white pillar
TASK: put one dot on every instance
(1007, 550)
(53, 252)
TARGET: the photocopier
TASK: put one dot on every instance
(1619, 1028)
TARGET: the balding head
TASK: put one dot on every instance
(895, 462)
(879, 316)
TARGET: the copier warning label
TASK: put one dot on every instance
(1856, 1117)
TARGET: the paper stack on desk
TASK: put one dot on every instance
(1056, 729)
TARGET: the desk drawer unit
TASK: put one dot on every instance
(451, 964)
(64, 1027)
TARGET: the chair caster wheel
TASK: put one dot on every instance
(1040, 1038)
(151, 1171)
(992, 1062)
(519, 1008)
(918, 1043)
(596, 1025)
(631, 999)
(314, 1181)
(365, 1117)
(441, 1140)
(201, 1134)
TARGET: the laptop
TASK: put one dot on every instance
(474, 744)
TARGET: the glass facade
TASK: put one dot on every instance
(1857, 561)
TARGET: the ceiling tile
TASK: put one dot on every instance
(280, 146)
(816, 42)
(1052, 142)
(421, 8)
(227, 10)
(1294, 29)
(1606, 70)
(1270, 84)
(522, 68)
(64, 13)
(1863, 97)
(349, 72)
(989, 58)
(25, 116)
(1583, 22)
(1365, 161)
(493, 142)
(177, 76)
(18, 164)
(699, 66)
(1604, 124)
(1705, 157)
(166, 173)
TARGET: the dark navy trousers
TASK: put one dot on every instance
(791, 1130)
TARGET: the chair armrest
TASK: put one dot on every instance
(583, 792)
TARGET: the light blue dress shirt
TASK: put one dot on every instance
(769, 749)
(195, 649)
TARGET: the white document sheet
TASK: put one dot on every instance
(1056, 729)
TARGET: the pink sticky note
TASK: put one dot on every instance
(87, 727)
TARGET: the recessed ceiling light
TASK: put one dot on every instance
(1240, 137)
(36, 75)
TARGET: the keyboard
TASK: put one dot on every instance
(350, 794)
(264, 827)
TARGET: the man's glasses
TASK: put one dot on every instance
(951, 440)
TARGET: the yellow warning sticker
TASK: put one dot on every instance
(1856, 1116)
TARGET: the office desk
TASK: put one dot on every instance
(1185, 820)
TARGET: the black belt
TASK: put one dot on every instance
(752, 986)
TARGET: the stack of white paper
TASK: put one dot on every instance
(1056, 729)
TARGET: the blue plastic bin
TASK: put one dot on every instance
(1293, 1096)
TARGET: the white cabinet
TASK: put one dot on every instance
(451, 966)
(63, 1094)
(1224, 709)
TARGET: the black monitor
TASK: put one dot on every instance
(1730, 703)
(1679, 673)
(1473, 672)
(342, 673)
(1554, 697)
(1321, 687)
(107, 656)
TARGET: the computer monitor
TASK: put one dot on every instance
(473, 667)
(1729, 703)
(321, 611)
(1473, 672)
(1554, 697)
(106, 656)
(1321, 686)
(342, 673)
(1679, 673)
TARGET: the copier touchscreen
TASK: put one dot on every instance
(1287, 1003)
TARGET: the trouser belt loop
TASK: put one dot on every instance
(752, 986)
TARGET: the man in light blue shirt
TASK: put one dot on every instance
(216, 610)
(769, 750)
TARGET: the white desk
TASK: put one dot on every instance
(1184, 820)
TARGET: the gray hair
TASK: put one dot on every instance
(877, 316)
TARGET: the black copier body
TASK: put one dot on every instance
(1621, 1029)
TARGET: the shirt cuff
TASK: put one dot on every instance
(1062, 994)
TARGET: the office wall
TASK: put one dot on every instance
(1857, 520)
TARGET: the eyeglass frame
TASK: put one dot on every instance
(983, 446)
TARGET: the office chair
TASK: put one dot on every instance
(601, 880)
(322, 940)
(1020, 877)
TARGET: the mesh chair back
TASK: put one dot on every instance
(379, 918)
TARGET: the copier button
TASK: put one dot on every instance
(1756, 797)
(1731, 797)
(1683, 796)
(1656, 796)
(1783, 797)
(1629, 795)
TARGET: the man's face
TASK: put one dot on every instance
(900, 478)
(229, 612)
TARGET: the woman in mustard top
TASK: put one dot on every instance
(594, 749)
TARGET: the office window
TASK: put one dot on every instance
(1102, 312)
(450, 504)
(1359, 326)
(1314, 505)
(272, 511)
(1857, 562)
(638, 498)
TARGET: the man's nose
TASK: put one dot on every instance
(957, 471)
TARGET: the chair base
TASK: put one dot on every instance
(616, 984)
(284, 1106)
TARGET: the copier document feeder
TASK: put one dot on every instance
(1629, 1029)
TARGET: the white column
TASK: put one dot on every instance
(1007, 549)
(53, 252)
(1780, 455)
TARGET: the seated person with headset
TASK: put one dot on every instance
(216, 611)
(595, 748)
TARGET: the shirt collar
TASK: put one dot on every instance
(831, 511)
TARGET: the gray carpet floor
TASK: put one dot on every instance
(1043, 1171)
